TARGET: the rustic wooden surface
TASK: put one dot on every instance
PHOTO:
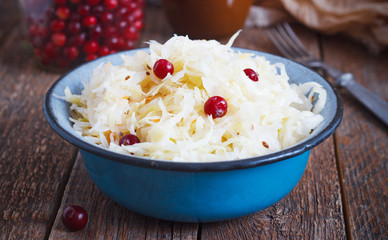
(342, 195)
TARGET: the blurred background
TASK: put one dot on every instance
(61, 34)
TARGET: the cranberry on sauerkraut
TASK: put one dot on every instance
(166, 111)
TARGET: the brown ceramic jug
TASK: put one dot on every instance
(207, 19)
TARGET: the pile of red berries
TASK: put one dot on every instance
(74, 31)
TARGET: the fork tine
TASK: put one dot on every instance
(295, 39)
(278, 41)
(284, 38)
(288, 41)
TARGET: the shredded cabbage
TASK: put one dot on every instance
(168, 117)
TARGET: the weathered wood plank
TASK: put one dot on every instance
(108, 220)
(34, 161)
(313, 210)
(362, 140)
(9, 18)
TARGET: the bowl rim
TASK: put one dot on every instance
(215, 166)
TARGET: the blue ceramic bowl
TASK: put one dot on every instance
(192, 192)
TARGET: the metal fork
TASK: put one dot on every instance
(284, 38)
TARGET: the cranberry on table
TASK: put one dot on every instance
(251, 74)
(162, 67)
(74, 218)
(129, 139)
(216, 106)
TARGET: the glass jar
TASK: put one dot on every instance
(65, 33)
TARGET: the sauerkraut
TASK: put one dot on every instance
(168, 117)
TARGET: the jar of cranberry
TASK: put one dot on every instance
(65, 33)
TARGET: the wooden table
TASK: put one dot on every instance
(343, 193)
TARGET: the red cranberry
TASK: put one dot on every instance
(60, 2)
(129, 139)
(78, 39)
(106, 18)
(109, 31)
(125, 2)
(71, 52)
(251, 74)
(138, 14)
(62, 63)
(51, 51)
(92, 2)
(43, 32)
(131, 33)
(138, 25)
(89, 21)
(103, 50)
(74, 27)
(129, 18)
(114, 42)
(121, 25)
(110, 4)
(130, 44)
(38, 52)
(97, 10)
(216, 106)
(74, 218)
(162, 67)
(63, 12)
(59, 39)
(33, 29)
(90, 47)
(74, 17)
(132, 6)
(95, 32)
(57, 25)
(91, 57)
(83, 10)
(121, 12)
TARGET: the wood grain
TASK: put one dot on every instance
(108, 220)
(362, 140)
(41, 174)
(34, 161)
(313, 210)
